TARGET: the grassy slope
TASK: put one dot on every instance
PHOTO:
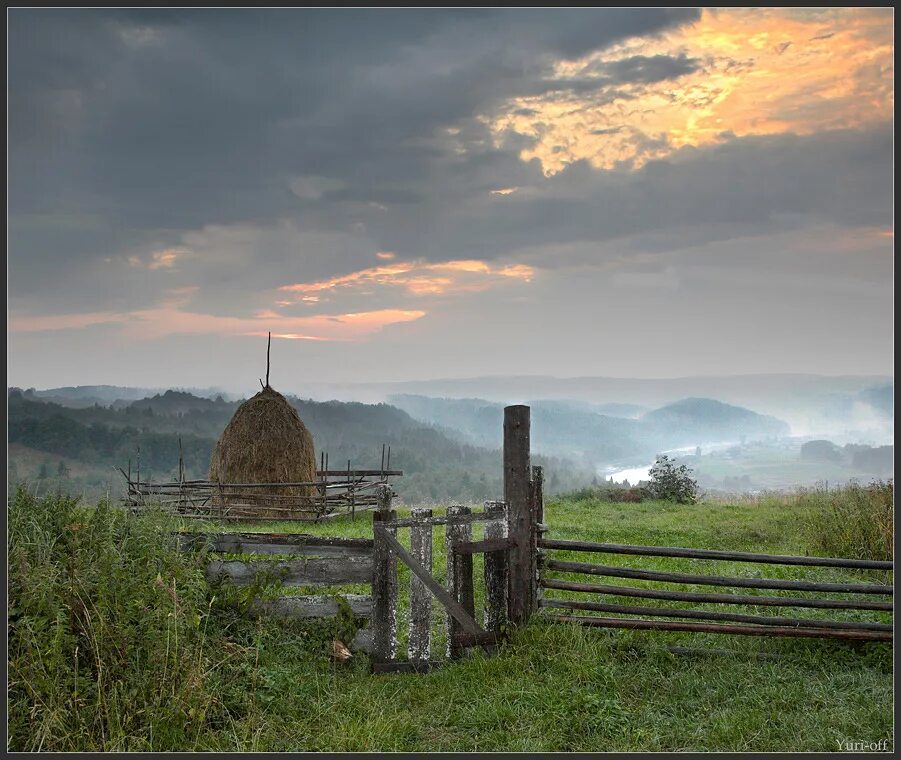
(562, 688)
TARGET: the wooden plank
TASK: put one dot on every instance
(443, 520)
(708, 598)
(463, 617)
(495, 569)
(314, 571)
(713, 580)
(276, 543)
(419, 645)
(312, 606)
(677, 551)
(459, 576)
(517, 495)
(486, 545)
(740, 630)
(632, 609)
(384, 583)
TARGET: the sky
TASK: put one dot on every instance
(415, 194)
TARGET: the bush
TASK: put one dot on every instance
(672, 482)
(856, 522)
(106, 629)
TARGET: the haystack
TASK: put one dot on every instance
(265, 442)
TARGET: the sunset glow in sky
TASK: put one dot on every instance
(418, 194)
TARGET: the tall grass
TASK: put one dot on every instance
(854, 521)
(117, 643)
(107, 629)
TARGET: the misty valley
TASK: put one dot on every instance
(72, 439)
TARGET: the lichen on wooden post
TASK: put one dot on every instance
(459, 576)
(384, 584)
(496, 569)
(419, 644)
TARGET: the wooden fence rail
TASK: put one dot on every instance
(673, 551)
(721, 622)
(708, 598)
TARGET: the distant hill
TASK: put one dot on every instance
(572, 429)
(81, 396)
(91, 441)
(178, 403)
(880, 397)
(691, 420)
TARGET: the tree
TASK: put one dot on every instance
(62, 471)
(672, 482)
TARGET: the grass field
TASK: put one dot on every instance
(265, 685)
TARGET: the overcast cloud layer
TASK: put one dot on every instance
(401, 195)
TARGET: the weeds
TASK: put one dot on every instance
(855, 521)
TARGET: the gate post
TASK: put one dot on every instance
(496, 570)
(419, 642)
(384, 584)
(459, 576)
(537, 528)
(520, 513)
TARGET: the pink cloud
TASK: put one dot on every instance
(421, 278)
(170, 318)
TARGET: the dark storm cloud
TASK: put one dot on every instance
(130, 130)
(129, 127)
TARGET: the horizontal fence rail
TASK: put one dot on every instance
(742, 630)
(332, 493)
(710, 598)
(631, 609)
(445, 520)
(275, 543)
(310, 571)
(313, 606)
(673, 551)
(713, 580)
(644, 617)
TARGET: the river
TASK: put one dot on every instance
(637, 473)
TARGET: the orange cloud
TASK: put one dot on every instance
(164, 259)
(421, 278)
(386, 255)
(761, 71)
(171, 318)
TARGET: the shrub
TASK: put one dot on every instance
(855, 521)
(672, 482)
(106, 630)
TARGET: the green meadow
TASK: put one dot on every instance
(116, 642)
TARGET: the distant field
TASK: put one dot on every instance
(269, 686)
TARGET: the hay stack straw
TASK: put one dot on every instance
(265, 442)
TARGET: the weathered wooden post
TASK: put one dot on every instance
(384, 583)
(420, 640)
(520, 513)
(537, 528)
(496, 569)
(459, 575)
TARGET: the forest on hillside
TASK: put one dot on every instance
(78, 449)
